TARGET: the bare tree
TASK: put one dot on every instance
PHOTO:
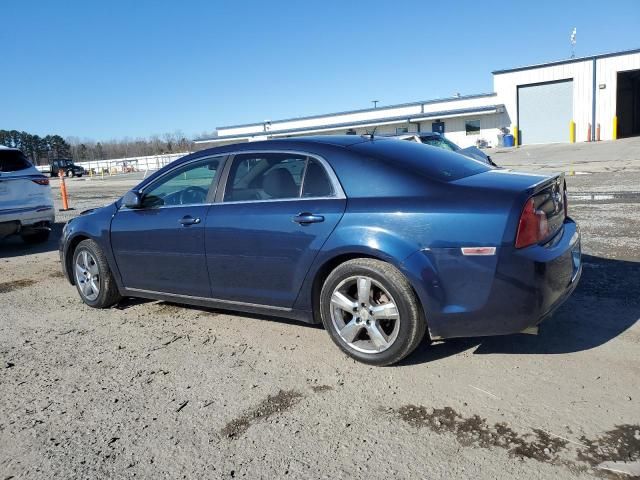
(88, 149)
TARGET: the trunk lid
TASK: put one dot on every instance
(547, 191)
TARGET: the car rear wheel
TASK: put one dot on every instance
(371, 312)
(92, 276)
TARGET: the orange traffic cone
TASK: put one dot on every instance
(63, 192)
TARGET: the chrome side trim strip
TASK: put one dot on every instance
(478, 251)
(212, 300)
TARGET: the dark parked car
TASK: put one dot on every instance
(378, 239)
(67, 167)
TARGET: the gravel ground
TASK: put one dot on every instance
(152, 389)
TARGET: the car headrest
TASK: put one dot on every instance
(279, 183)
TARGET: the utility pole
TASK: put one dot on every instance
(375, 103)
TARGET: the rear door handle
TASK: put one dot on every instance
(189, 220)
(305, 218)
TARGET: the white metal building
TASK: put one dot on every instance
(541, 103)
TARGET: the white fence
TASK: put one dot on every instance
(124, 165)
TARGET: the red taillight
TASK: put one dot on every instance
(532, 227)
(40, 181)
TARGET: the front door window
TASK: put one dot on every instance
(189, 185)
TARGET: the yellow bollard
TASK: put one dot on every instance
(516, 136)
(572, 131)
(615, 128)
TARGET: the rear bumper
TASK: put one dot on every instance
(15, 220)
(496, 295)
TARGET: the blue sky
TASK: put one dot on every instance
(116, 69)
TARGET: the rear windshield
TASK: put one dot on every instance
(12, 161)
(440, 143)
(435, 163)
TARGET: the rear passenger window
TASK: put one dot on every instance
(13, 161)
(316, 181)
(265, 176)
(275, 176)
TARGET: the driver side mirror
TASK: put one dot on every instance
(132, 199)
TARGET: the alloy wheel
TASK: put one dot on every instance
(87, 275)
(364, 314)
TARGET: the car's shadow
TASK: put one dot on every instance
(13, 246)
(605, 304)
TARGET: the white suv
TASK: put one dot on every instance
(26, 205)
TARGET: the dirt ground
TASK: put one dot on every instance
(152, 389)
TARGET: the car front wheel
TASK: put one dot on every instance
(92, 276)
(371, 312)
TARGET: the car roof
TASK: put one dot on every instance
(337, 140)
(2, 147)
(290, 143)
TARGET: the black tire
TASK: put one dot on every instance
(108, 290)
(36, 237)
(70, 173)
(412, 324)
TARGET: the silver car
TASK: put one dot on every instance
(26, 204)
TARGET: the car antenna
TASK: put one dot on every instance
(373, 133)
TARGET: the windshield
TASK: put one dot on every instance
(12, 161)
(440, 142)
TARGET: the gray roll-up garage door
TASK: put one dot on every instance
(544, 112)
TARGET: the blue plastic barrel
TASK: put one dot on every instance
(508, 140)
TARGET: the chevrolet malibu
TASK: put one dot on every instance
(378, 239)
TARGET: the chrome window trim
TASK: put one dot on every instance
(218, 197)
(124, 208)
(333, 178)
(272, 200)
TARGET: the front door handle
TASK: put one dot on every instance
(305, 218)
(189, 220)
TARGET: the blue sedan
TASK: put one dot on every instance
(378, 239)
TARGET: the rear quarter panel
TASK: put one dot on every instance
(435, 224)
